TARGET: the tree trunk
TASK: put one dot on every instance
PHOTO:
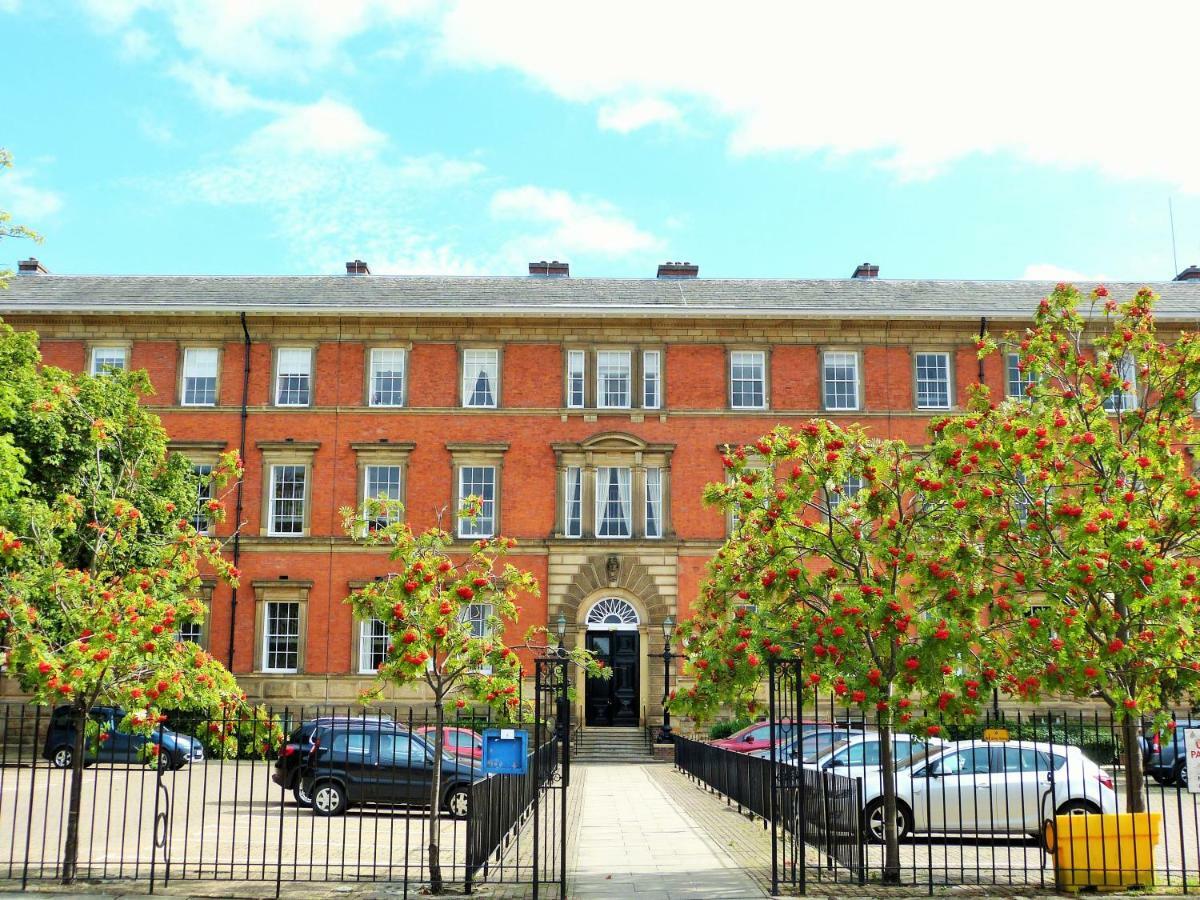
(71, 847)
(435, 804)
(891, 839)
(1135, 777)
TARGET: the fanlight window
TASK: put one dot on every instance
(612, 613)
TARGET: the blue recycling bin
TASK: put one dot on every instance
(505, 751)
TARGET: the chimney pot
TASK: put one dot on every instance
(552, 269)
(1191, 273)
(678, 270)
(866, 270)
(31, 266)
(357, 267)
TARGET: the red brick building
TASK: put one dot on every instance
(588, 413)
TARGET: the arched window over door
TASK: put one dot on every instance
(612, 614)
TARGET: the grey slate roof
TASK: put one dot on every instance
(557, 297)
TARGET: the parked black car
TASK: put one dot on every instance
(175, 750)
(357, 762)
(1166, 756)
(295, 751)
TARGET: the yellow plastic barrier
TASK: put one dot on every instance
(1105, 851)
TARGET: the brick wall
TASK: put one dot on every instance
(695, 420)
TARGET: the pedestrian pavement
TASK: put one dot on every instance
(637, 838)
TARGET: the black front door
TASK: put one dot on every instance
(614, 701)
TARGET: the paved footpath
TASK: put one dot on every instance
(636, 838)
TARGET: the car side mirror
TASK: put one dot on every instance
(833, 764)
(748, 739)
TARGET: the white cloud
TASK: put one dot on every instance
(576, 225)
(1073, 84)
(333, 190)
(282, 37)
(157, 131)
(9, 6)
(1051, 272)
(326, 127)
(137, 46)
(27, 202)
(630, 115)
(216, 91)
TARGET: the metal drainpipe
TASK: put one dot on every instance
(982, 332)
(237, 515)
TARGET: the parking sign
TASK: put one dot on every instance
(1191, 739)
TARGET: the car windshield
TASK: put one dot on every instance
(813, 745)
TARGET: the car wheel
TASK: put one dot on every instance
(302, 798)
(62, 757)
(458, 801)
(1078, 808)
(873, 821)
(1181, 777)
(329, 799)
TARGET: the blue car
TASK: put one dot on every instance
(175, 750)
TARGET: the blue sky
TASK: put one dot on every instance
(287, 136)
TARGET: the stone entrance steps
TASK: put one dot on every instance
(611, 745)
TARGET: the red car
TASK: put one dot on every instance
(461, 742)
(755, 737)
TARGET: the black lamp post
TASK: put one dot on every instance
(664, 733)
(562, 629)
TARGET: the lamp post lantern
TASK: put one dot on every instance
(562, 628)
(664, 732)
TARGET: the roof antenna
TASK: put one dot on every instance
(1171, 213)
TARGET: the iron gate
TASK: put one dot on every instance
(809, 808)
(552, 711)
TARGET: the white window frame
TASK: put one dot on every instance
(212, 359)
(840, 360)
(573, 502)
(850, 488)
(476, 361)
(622, 358)
(742, 359)
(280, 374)
(272, 499)
(375, 369)
(393, 515)
(1126, 369)
(367, 645)
(1016, 381)
(199, 628)
(576, 379)
(108, 352)
(479, 614)
(651, 379)
(268, 634)
(484, 525)
(203, 496)
(919, 379)
(624, 499)
(654, 502)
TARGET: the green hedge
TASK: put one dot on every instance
(1099, 743)
(721, 730)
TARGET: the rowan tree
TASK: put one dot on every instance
(7, 228)
(1083, 495)
(425, 604)
(839, 560)
(93, 589)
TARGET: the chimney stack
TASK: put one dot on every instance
(31, 267)
(866, 270)
(357, 267)
(552, 269)
(678, 270)
(1191, 273)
